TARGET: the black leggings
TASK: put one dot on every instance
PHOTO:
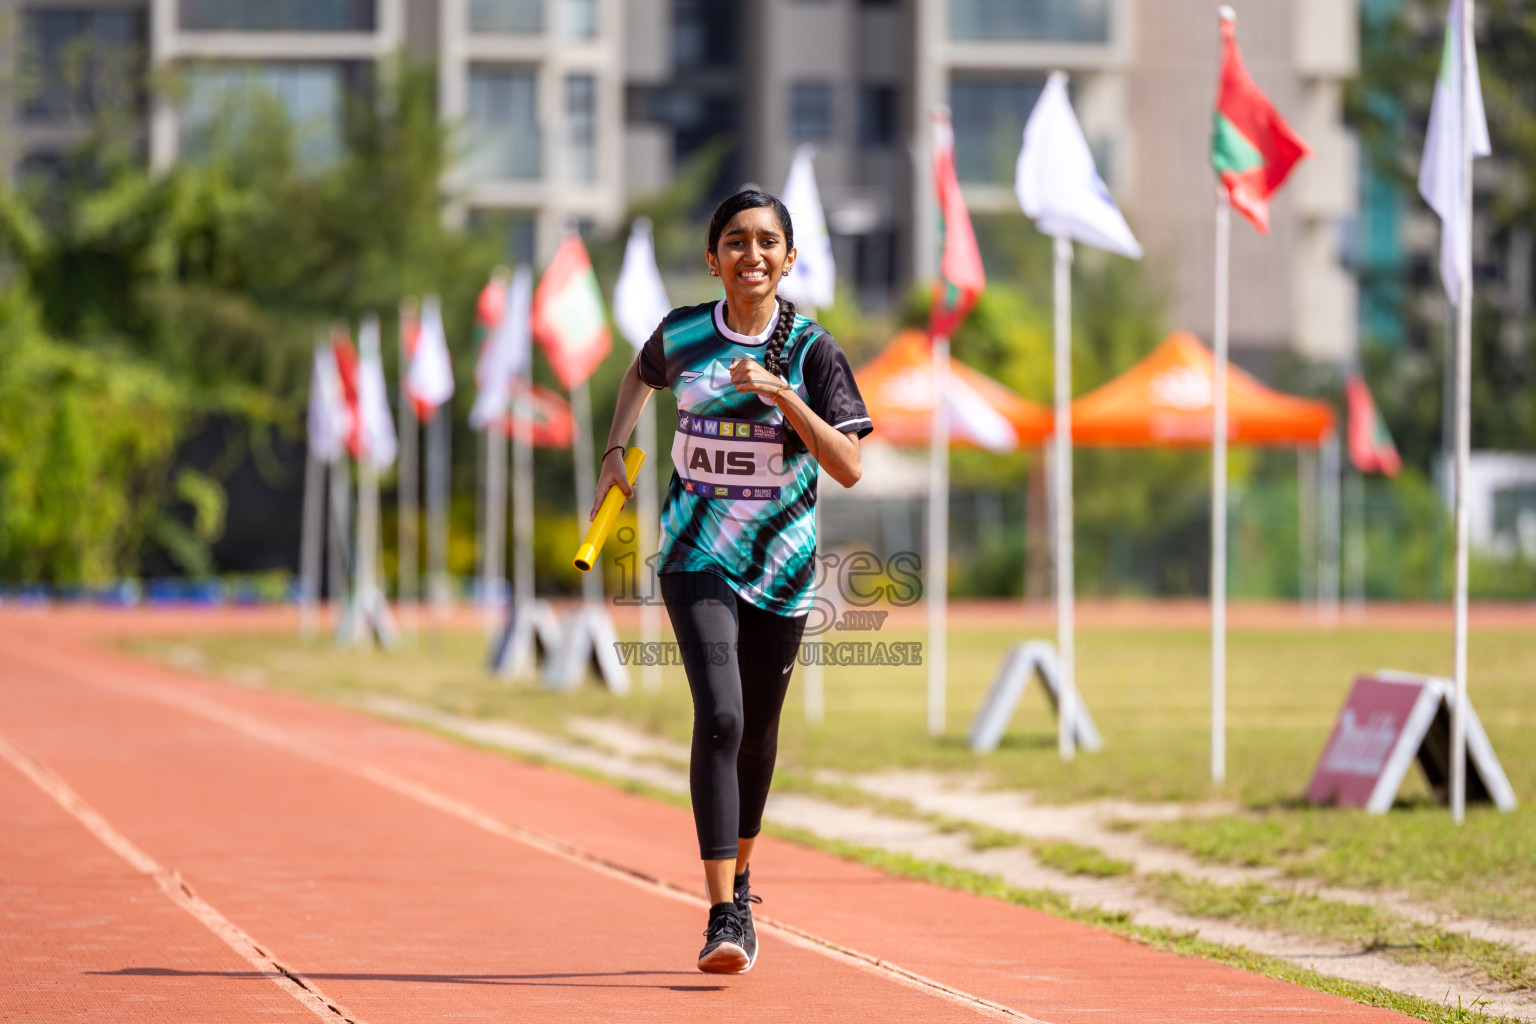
(738, 659)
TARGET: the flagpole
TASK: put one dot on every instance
(938, 536)
(581, 407)
(1066, 636)
(522, 519)
(1463, 415)
(1219, 496)
(341, 547)
(438, 442)
(495, 524)
(645, 576)
(814, 679)
(365, 570)
(313, 539)
(407, 507)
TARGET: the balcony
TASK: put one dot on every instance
(277, 15)
(507, 17)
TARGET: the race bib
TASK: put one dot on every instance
(721, 458)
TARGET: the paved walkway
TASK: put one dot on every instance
(180, 849)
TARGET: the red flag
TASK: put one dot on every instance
(410, 337)
(546, 413)
(1252, 148)
(961, 277)
(1370, 445)
(346, 365)
(568, 320)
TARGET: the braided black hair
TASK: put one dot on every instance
(753, 199)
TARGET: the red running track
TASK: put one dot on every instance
(179, 849)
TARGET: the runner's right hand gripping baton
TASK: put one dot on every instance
(607, 512)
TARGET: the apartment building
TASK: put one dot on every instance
(569, 109)
(860, 78)
(536, 87)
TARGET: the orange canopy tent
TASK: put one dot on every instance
(1165, 400)
(897, 386)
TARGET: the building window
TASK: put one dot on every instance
(581, 19)
(704, 34)
(504, 124)
(278, 15)
(1056, 21)
(810, 111)
(989, 115)
(581, 116)
(877, 116)
(515, 230)
(511, 16)
(226, 101)
(78, 63)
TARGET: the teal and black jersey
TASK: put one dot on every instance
(740, 501)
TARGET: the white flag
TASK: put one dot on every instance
(1057, 183)
(1440, 171)
(508, 352)
(378, 424)
(430, 379)
(813, 281)
(640, 298)
(330, 421)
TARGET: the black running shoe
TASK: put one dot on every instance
(744, 898)
(724, 951)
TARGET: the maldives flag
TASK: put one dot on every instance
(1252, 148)
(961, 277)
(568, 320)
(346, 366)
(547, 415)
(1370, 445)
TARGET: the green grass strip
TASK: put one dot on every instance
(1185, 943)
(1372, 928)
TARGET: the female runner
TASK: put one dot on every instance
(763, 397)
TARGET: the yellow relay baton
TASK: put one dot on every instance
(607, 512)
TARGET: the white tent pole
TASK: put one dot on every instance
(1463, 414)
(1328, 517)
(1306, 526)
(649, 514)
(1219, 498)
(311, 542)
(938, 536)
(407, 507)
(586, 484)
(1355, 557)
(1066, 636)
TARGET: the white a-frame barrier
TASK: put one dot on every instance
(1023, 663)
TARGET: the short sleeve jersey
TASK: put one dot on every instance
(740, 503)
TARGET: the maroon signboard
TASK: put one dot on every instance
(1388, 721)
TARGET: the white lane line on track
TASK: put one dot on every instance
(171, 884)
(257, 729)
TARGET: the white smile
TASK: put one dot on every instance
(751, 275)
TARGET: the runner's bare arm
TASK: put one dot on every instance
(633, 394)
(837, 451)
